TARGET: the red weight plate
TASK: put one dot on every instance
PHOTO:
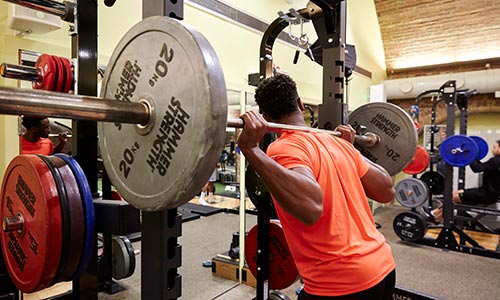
(31, 254)
(116, 196)
(46, 67)
(419, 163)
(417, 125)
(68, 73)
(60, 74)
(282, 269)
(76, 218)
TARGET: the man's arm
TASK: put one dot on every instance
(296, 190)
(63, 139)
(377, 183)
(491, 165)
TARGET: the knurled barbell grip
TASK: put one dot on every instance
(368, 139)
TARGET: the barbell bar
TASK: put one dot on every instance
(19, 101)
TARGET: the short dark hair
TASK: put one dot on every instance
(29, 122)
(498, 142)
(277, 96)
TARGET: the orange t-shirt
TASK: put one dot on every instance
(42, 146)
(343, 252)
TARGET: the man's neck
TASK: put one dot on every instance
(30, 137)
(296, 119)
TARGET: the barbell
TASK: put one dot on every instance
(163, 114)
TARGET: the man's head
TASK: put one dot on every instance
(496, 148)
(37, 126)
(277, 96)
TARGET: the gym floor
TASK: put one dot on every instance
(449, 275)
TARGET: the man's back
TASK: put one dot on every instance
(346, 250)
(43, 146)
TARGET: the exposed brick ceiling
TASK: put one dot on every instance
(418, 33)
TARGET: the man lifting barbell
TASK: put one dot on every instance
(487, 194)
(319, 185)
(35, 140)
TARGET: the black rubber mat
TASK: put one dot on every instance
(202, 210)
(187, 215)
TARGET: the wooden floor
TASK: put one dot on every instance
(487, 240)
(226, 202)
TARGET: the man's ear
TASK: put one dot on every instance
(300, 104)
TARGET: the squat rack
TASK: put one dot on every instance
(446, 238)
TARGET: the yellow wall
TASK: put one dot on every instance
(236, 46)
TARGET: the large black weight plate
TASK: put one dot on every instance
(173, 68)
(409, 226)
(256, 189)
(434, 181)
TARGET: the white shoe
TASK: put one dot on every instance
(212, 198)
(201, 200)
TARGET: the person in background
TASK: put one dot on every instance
(209, 189)
(35, 139)
(319, 184)
(488, 193)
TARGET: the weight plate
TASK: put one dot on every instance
(46, 67)
(277, 295)
(434, 181)
(173, 67)
(68, 72)
(32, 254)
(409, 226)
(77, 230)
(120, 257)
(411, 192)
(88, 211)
(131, 255)
(398, 137)
(60, 76)
(419, 163)
(282, 269)
(482, 146)
(66, 223)
(458, 150)
(256, 189)
(417, 125)
(414, 110)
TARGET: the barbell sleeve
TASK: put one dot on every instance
(19, 72)
(52, 104)
(12, 223)
(47, 6)
(18, 101)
